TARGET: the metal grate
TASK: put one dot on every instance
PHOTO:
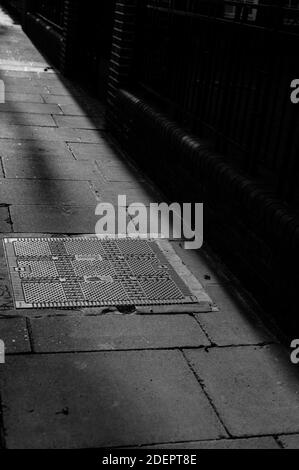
(87, 271)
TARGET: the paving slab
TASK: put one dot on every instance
(234, 324)
(31, 148)
(103, 399)
(290, 442)
(254, 389)
(53, 78)
(26, 119)
(204, 268)
(110, 332)
(22, 74)
(23, 98)
(6, 300)
(29, 88)
(22, 82)
(84, 109)
(251, 443)
(36, 80)
(135, 192)
(53, 168)
(53, 219)
(5, 222)
(70, 100)
(103, 151)
(46, 192)
(50, 133)
(80, 122)
(21, 66)
(23, 107)
(14, 333)
(119, 171)
(15, 46)
(60, 89)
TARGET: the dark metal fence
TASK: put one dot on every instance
(94, 43)
(223, 70)
(52, 11)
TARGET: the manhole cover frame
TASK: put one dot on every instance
(196, 301)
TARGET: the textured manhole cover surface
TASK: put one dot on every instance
(87, 271)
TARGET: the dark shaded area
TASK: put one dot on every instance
(226, 78)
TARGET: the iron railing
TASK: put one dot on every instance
(51, 11)
(223, 69)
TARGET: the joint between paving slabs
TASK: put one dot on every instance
(30, 334)
(203, 387)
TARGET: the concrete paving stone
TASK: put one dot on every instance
(290, 442)
(13, 331)
(16, 47)
(36, 75)
(21, 65)
(120, 171)
(21, 82)
(6, 299)
(17, 74)
(53, 168)
(84, 109)
(51, 134)
(36, 312)
(31, 108)
(61, 89)
(23, 98)
(103, 399)
(30, 148)
(26, 119)
(53, 80)
(46, 192)
(6, 296)
(5, 225)
(110, 332)
(254, 389)
(234, 324)
(251, 443)
(29, 88)
(103, 151)
(136, 192)
(54, 219)
(79, 122)
(37, 80)
(50, 74)
(65, 100)
(78, 135)
(206, 270)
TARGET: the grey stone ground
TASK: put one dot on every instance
(81, 379)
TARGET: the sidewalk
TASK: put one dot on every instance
(81, 379)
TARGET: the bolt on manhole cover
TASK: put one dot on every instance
(88, 271)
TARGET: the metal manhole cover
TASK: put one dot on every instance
(88, 271)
